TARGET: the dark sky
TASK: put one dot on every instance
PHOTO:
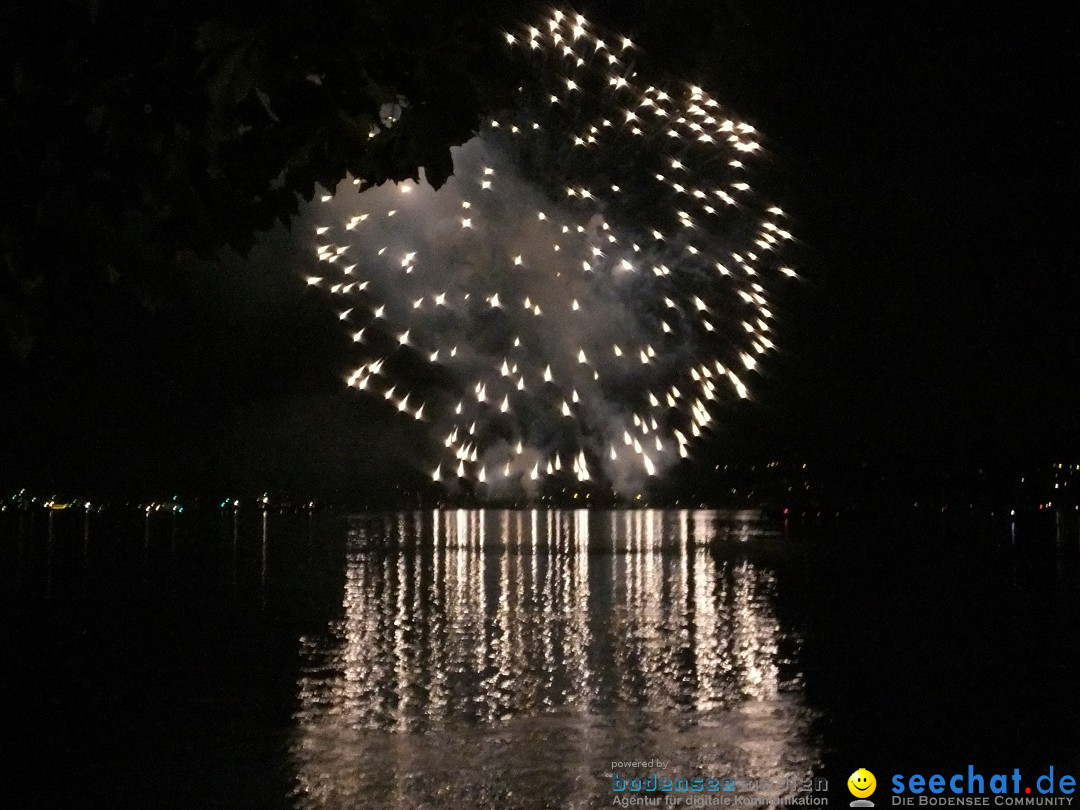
(928, 157)
(930, 161)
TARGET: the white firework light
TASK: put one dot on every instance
(583, 294)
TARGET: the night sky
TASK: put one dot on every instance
(928, 160)
(932, 156)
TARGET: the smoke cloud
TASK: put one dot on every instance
(585, 292)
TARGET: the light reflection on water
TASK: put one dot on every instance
(506, 658)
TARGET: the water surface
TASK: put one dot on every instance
(508, 658)
(538, 648)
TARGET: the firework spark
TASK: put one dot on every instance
(589, 287)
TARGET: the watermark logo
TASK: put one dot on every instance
(978, 789)
(701, 791)
(862, 785)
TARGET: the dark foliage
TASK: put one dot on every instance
(133, 135)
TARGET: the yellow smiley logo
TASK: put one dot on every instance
(861, 783)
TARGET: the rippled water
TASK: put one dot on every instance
(506, 659)
(538, 647)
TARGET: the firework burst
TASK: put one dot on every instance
(586, 290)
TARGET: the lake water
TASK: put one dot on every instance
(508, 659)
